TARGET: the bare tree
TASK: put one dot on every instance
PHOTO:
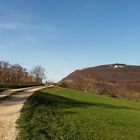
(4, 71)
(14, 74)
(39, 73)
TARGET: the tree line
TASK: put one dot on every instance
(17, 74)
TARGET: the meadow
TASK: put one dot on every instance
(66, 114)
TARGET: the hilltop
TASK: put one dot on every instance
(117, 80)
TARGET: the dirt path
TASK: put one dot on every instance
(10, 112)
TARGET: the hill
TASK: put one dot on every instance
(118, 80)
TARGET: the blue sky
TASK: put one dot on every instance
(64, 35)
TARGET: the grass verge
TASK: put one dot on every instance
(16, 85)
(66, 114)
(3, 89)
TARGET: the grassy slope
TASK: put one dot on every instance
(59, 113)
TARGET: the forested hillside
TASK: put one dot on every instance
(117, 80)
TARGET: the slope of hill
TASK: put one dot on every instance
(117, 80)
(67, 114)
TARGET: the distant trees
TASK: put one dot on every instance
(39, 73)
(50, 82)
(17, 74)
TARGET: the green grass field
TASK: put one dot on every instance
(67, 114)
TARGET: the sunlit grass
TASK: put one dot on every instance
(67, 114)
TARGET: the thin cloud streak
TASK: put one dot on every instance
(26, 26)
(7, 26)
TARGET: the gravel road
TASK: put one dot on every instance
(10, 111)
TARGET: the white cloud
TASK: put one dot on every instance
(26, 26)
(7, 26)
